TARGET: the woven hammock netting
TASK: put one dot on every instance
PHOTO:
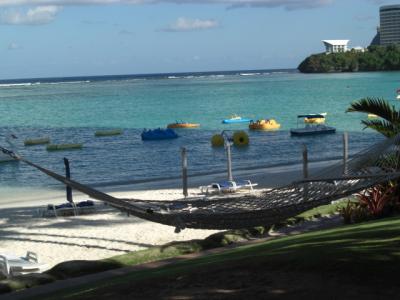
(377, 164)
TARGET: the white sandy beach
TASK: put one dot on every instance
(93, 236)
(108, 232)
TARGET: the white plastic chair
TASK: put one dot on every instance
(11, 265)
(227, 187)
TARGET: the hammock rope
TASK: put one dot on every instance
(375, 165)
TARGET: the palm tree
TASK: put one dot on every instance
(389, 122)
(388, 125)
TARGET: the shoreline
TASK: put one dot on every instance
(200, 174)
(266, 177)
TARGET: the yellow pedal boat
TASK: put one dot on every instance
(268, 124)
(314, 120)
(183, 125)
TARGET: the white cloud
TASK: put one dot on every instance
(185, 24)
(13, 46)
(46, 10)
(287, 4)
(33, 16)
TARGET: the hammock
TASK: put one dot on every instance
(378, 164)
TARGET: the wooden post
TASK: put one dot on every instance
(305, 161)
(345, 152)
(68, 176)
(229, 158)
(184, 172)
(305, 171)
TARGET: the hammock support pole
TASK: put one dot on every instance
(305, 162)
(68, 176)
(305, 171)
(345, 152)
(184, 172)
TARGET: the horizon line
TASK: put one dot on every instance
(143, 74)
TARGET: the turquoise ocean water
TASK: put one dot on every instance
(70, 110)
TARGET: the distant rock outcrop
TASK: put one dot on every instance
(376, 58)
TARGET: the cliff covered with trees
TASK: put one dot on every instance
(375, 58)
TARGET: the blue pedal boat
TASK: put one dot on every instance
(236, 119)
(158, 134)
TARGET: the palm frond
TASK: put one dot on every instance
(377, 106)
(386, 128)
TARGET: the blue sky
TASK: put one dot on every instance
(46, 38)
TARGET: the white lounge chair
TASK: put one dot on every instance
(11, 265)
(67, 209)
(229, 186)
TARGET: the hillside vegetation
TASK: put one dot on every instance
(376, 58)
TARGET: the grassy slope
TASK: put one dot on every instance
(324, 210)
(366, 254)
(70, 269)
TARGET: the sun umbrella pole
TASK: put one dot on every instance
(229, 160)
(184, 172)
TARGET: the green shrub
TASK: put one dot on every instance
(377, 199)
(25, 281)
(353, 212)
(347, 212)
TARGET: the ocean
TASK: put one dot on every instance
(70, 110)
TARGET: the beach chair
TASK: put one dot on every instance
(68, 209)
(228, 186)
(11, 265)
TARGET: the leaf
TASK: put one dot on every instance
(382, 126)
(389, 125)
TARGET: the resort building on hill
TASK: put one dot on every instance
(335, 46)
(358, 49)
(389, 24)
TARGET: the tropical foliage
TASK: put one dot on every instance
(347, 212)
(353, 212)
(376, 58)
(388, 123)
(377, 199)
(382, 199)
(375, 202)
